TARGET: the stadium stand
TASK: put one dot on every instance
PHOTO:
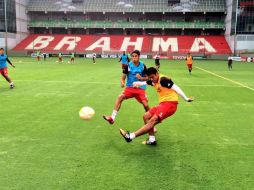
(124, 24)
(131, 6)
(187, 24)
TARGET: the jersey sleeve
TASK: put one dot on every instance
(7, 59)
(166, 82)
(145, 70)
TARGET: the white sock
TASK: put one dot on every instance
(11, 83)
(151, 138)
(114, 113)
(132, 136)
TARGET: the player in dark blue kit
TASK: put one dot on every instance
(134, 71)
(124, 60)
(3, 67)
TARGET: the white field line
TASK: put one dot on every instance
(111, 83)
(227, 79)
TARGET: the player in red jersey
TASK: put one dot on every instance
(168, 99)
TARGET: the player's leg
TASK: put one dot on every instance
(7, 78)
(157, 66)
(143, 130)
(118, 103)
(145, 105)
(141, 97)
(158, 113)
(146, 117)
(190, 68)
(151, 134)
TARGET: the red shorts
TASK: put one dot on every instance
(124, 66)
(189, 66)
(4, 71)
(164, 110)
(138, 93)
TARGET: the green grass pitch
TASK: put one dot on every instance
(206, 145)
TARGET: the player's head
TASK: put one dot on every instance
(123, 52)
(1, 51)
(153, 74)
(135, 56)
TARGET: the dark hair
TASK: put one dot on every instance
(136, 51)
(1, 48)
(151, 70)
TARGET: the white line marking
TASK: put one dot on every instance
(235, 82)
(109, 83)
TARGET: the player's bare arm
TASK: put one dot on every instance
(123, 80)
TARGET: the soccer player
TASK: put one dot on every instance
(230, 62)
(60, 57)
(135, 71)
(157, 62)
(4, 68)
(124, 60)
(38, 56)
(94, 57)
(72, 57)
(168, 99)
(189, 62)
(44, 56)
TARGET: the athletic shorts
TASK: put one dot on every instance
(38, 58)
(124, 66)
(164, 110)
(72, 59)
(60, 58)
(4, 71)
(138, 93)
(189, 66)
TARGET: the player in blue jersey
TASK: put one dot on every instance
(3, 67)
(124, 59)
(134, 71)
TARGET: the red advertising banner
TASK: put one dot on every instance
(118, 43)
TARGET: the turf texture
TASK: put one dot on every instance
(207, 144)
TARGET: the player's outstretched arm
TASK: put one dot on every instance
(10, 62)
(168, 83)
(145, 78)
(181, 93)
(137, 84)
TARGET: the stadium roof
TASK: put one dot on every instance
(126, 6)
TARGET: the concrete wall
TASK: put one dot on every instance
(228, 25)
(245, 43)
(21, 24)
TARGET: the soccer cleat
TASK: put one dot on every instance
(147, 142)
(126, 135)
(109, 119)
(11, 86)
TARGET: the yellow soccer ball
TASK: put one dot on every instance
(86, 113)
